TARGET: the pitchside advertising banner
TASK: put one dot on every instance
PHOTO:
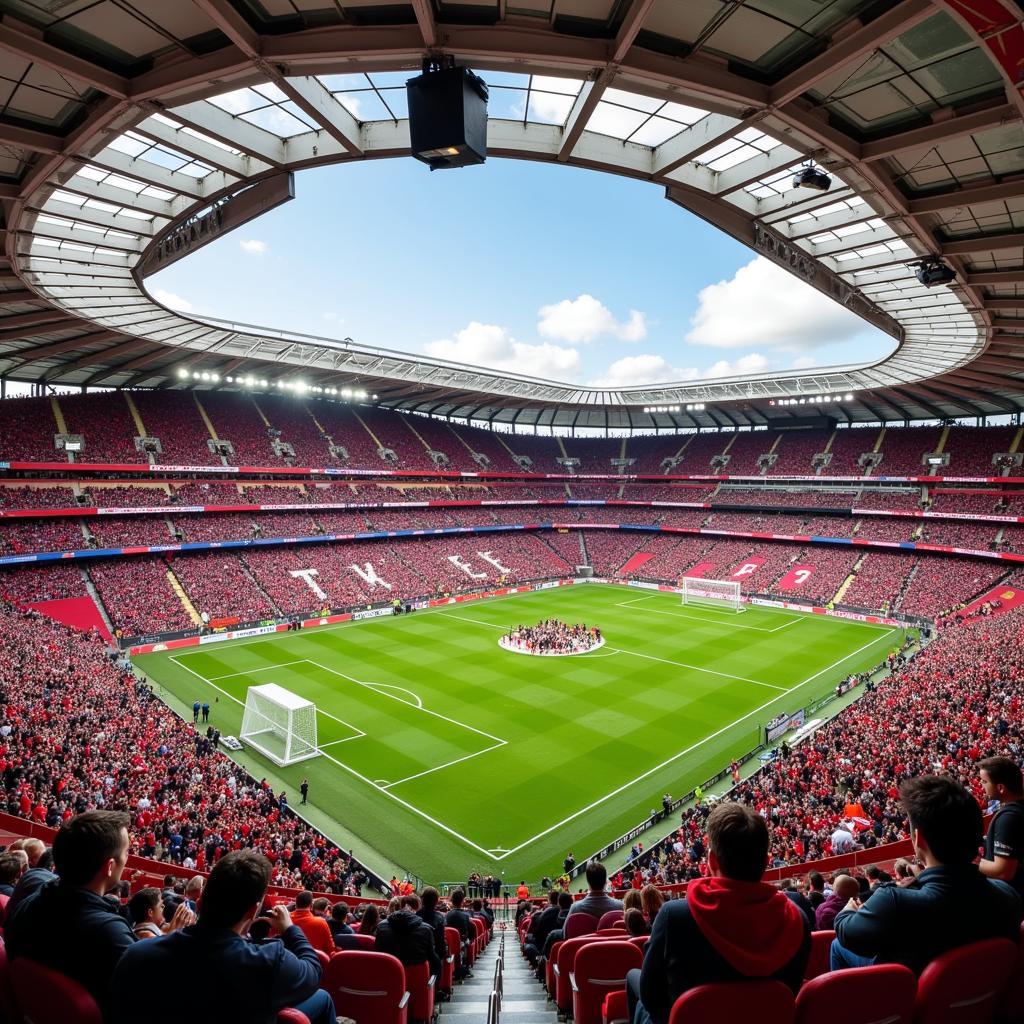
(782, 724)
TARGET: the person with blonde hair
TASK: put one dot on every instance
(631, 901)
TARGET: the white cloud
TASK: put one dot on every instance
(803, 362)
(585, 318)
(254, 246)
(632, 371)
(172, 301)
(766, 306)
(492, 346)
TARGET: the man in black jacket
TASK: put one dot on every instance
(949, 904)
(730, 926)
(434, 920)
(544, 923)
(458, 918)
(406, 935)
(68, 924)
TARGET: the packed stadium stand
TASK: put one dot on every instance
(872, 149)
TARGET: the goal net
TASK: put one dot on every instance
(280, 724)
(723, 594)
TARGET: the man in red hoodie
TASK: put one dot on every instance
(730, 925)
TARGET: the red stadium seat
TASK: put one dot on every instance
(862, 995)
(367, 987)
(611, 919)
(579, 924)
(3, 908)
(8, 1007)
(453, 941)
(290, 1016)
(600, 968)
(322, 957)
(1011, 1008)
(640, 941)
(619, 931)
(549, 969)
(421, 985)
(964, 986)
(615, 1009)
(766, 1002)
(46, 997)
(368, 942)
(818, 961)
(565, 965)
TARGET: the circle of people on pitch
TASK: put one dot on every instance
(551, 636)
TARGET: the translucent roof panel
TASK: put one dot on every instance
(266, 107)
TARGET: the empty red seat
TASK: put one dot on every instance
(964, 986)
(46, 997)
(615, 1009)
(578, 924)
(861, 995)
(818, 960)
(454, 943)
(600, 968)
(766, 1002)
(367, 986)
(421, 985)
(290, 1016)
(565, 964)
(368, 942)
(611, 919)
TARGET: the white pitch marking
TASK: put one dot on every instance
(447, 764)
(249, 672)
(320, 711)
(362, 778)
(690, 749)
(701, 618)
(650, 657)
(416, 699)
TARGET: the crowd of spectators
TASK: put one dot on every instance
(31, 583)
(880, 580)
(25, 536)
(174, 418)
(105, 422)
(219, 585)
(959, 700)
(48, 496)
(85, 734)
(138, 595)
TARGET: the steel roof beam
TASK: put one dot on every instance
(970, 195)
(974, 244)
(238, 165)
(19, 296)
(319, 104)
(147, 173)
(424, 11)
(211, 120)
(28, 43)
(32, 355)
(582, 110)
(19, 321)
(982, 278)
(102, 356)
(851, 47)
(940, 131)
(757, 168)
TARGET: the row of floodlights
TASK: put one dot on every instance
(812, 400)
(299, 387)
(692, 407)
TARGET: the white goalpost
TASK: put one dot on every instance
(280, 724)
(724, 594)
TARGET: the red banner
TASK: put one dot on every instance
(797, 576)
(747, 567)
(700, 569)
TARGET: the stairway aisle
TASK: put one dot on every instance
(523, 999)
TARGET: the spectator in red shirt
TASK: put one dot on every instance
(316, 929)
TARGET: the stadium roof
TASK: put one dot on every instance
(123, 123)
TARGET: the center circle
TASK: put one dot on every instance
(552, 639)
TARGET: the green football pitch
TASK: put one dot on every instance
(443, 754)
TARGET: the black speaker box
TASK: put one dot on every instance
(448, 118)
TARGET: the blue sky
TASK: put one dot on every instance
(555, 272)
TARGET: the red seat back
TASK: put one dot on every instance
(578, 924)
(46, 997)
(421, 991)
(601, 968)
(640, 941)
(322, 957)
(818, 961)
(1012, 1006)
(367, 986)
(964, 986)
(566, 964)
(3, 907)
(863, 995)
(291, 1016)
(766, 1002)
(368, 942)
(611, 919)
(8, 1008)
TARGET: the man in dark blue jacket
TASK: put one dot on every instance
(730, 926)
(949, 904)
(68, 924)
(225, 977)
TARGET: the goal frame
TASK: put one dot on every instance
(711, 593)
(279, 724)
